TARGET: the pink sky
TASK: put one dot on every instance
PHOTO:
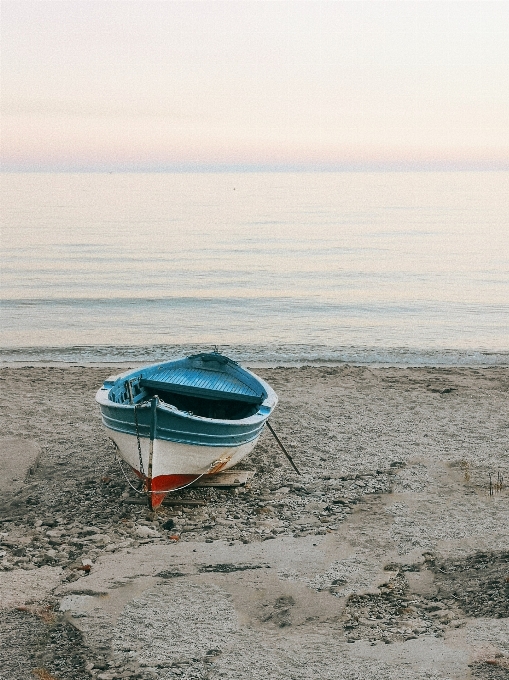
(142, 85)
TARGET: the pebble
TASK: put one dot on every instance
(102, 539)
(146, 532)
(54, 533)
(89, 531)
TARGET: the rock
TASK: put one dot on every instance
(100, 539)
(89, 531)
(146, 532)
(316, 506)
(101, 665)
(307, 521)
(49, 522)
(54, 533)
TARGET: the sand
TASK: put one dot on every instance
(387, 558)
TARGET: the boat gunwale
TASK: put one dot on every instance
(268, 404)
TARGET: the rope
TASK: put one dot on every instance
(142, 471)
(125, 476)
(145, 480)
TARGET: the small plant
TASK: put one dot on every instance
(45, 613)
(465, 467)
(498, 485)
(43, 674)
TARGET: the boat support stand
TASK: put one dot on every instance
(283, 448)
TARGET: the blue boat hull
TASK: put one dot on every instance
(179, 427)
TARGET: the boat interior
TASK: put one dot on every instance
(219, 409)
(205, 385)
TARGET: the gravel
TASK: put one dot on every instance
(393, 461)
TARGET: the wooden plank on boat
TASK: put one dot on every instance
(227, 479)
(201, 392)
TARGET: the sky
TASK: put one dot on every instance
(143, 85)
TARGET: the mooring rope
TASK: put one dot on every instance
(125, 476)
(146, 491)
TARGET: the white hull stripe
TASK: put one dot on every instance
(174, 458)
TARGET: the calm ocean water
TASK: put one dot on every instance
(408, 268)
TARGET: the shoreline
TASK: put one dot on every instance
(258, 356)
(253, 364)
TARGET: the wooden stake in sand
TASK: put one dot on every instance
(283, 448)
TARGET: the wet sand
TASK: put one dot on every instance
(387, 558)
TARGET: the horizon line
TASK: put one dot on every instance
(219, 169)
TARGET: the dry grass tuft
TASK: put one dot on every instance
(43, 674)
(465, 467)
(45, 613)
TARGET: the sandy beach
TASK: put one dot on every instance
(387, 558)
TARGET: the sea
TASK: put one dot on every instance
(385, 268)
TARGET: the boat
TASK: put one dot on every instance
(177, 421)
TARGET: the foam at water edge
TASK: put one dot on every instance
(256, 354)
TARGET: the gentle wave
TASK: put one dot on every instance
(279, 267)
(273, 302)
(289, 355)
(243, 321)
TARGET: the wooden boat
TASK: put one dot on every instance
(177, 421)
